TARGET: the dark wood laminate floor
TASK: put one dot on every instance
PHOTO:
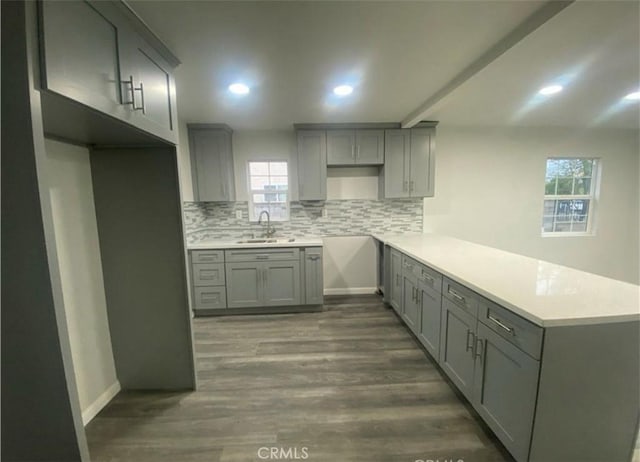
(348, 383)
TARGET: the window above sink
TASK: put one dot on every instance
(268, 184)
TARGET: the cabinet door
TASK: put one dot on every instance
(505, 389)
(211, 165)
(281, 283)
(245, 284)
(396, 155)
(370, 147)
(422, 163)
(81, 56)
(457, 336)
(150, 87)
(430, 302)
(410, 309)
(313, 275)
(341, 147)
(396, 280)
(312, 165)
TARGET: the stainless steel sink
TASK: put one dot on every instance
(264, 241)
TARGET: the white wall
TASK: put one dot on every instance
(81, 274)
(490, 187)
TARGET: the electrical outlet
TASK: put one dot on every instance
(325, 213)
(239, 214)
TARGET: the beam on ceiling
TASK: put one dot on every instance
(535, 20)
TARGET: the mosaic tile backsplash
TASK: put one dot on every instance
(207, 221)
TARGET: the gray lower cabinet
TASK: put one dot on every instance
(208, 280)
(504, 390)
(457, 346)
(256, 278)
(313, 276)
(256, 284)
(281, 283)
(312, 165)
(245, 286)
(430, 301)
(395, 296)
(410, 305)
(212, 163)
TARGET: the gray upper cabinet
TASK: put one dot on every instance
(147, 83)
(313, 275)
(355, 147)
(312, 165)
(409, 165)
(93, 54)
(341, 147)
(211, 163)
(81, 55)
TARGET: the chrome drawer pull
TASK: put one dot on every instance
(500, 324)
(262, 257)
(428, 277)
(457, 296)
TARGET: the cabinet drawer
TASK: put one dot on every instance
(208, 274)
(522, 333)
(410, 266)
(262, 254)
(430, 277)
(210, 298)
(207, 256)
(461, 296)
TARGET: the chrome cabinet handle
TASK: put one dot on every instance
(262, 257)
(132, 92)
(141, 90)
(358, 153)
(457, 296)
(479, 347)
(313, 257)
(353, 152)
(473, 340)
(501, 324)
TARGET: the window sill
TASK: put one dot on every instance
(581, 234)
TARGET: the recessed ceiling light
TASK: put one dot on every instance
(633, 96)
(550, 90)
(239, 88)
(343, 90)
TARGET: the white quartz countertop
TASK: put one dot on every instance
(542, 292)
(237, 244)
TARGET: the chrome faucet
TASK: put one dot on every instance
(270, 231)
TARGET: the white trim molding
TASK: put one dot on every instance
(351, 291)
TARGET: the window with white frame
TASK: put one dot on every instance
(569, 196)
(268, 189)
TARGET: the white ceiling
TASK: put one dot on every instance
(397, 54)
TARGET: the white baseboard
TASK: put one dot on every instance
(92, 410)
(351, 291)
